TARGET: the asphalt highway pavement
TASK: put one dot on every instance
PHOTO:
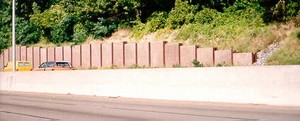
(21, 106)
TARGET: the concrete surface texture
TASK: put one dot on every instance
(188, 54)
(29, 55)
(44, 55)
(36, 57)
(1, 64)
(23, 53)
(206, 56)
(223, 57)
(130, 54)
(18, 53)
(271, 85)
(86, 56)
(96, 55)
(58, 53)
(172, 52)
(157, 54)
(20, 106)
(118, 54)
(6, 56)
(67, 56)
(76, 56)
(145, 54)
(107, 54)
(51, 54)
(243, 59)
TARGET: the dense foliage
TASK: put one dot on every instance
(60, 21)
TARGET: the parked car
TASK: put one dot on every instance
(55, 65)
(20, 66)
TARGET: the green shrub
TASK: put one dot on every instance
(104, 27)
(206, 16)
(58, 34)
(27, 33)
(5, 24)
(53, 16)
(156, 21)
(196, 63)
(139, 29)
(285, 9)
(223, 64)
(176, 66)
(135, 66)
(4, 43)
(293, 8)
(62, 32)
(181, 14)
(5, 37)
(231, 29)
(80, 34)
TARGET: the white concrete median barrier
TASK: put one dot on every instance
(272, 85)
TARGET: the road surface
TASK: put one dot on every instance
(20, 106)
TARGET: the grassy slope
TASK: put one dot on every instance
(289, 53)
(246, 39)
(243, 39)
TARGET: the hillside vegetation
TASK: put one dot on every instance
(241, 25)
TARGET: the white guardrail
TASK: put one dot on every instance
(271, 85)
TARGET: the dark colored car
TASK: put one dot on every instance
(55, 65)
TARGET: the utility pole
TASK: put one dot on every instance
(13, 37)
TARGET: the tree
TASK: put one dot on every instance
(5, 24)
(26, 32)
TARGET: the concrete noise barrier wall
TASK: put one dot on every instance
(1, 63)
(29, 54)
(59, 53)
(271, 85)
(143, 54)
(123, 54)
(130, 54)
(172, 52)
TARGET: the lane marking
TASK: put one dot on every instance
(141, 110)
(23, 114)
(51, 102)
(189, 114)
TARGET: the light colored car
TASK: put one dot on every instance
(54, 66)
(20, 66)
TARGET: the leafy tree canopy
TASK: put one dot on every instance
(59, 21)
